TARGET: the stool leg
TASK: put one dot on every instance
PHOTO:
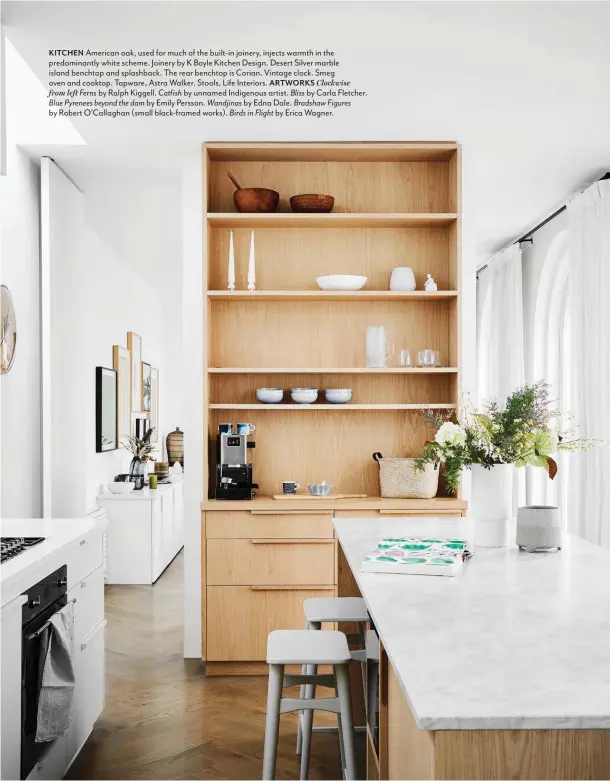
(340, 731)
(306, 725)
(342, 676)
(272, 722)
(304, 670)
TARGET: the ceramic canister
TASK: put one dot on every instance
(403, 279)
(538, 528)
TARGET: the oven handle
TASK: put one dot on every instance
(44, 626)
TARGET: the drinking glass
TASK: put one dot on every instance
(425, 358)
(405, 358)
(437, 357)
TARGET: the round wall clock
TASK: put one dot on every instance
(8, 330)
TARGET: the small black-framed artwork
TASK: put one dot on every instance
(140, 427)
(105, 410)
(146, 387)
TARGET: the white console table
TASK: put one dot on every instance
(145, 532)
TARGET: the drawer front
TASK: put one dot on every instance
(239, 618)
(89, 690)
(89, 606)
(87, 556)
(268, 562)
(52, 765)
(252, 525)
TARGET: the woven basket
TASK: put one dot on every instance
(400, 480)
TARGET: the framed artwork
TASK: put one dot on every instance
(105, 410)
(122, 366)
(154, 404)
(146, 378)
(134, 345)
(140, 427)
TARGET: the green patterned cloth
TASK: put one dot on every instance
(417, 556)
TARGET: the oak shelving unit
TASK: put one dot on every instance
(395, 204)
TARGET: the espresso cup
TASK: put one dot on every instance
(245, 428)
(225, 428)
(289, 487)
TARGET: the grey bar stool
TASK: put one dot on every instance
(298, 646)
(324, 610)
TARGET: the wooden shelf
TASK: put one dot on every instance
(331, 220)
(334, 151)
(263, 504)
(329, 295)
(335, 370)
(335, 407)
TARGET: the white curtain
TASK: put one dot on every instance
(500, 336)
(500, 326)
(589, 480)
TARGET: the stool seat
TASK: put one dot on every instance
(299, 646)
(327, 609)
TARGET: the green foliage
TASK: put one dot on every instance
(523, 431)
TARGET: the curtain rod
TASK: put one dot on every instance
(528, 236)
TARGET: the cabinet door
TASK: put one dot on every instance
(167, 526)
(239, 618)
(89, 604)
(90, 689)
(178, 518)
(156, 539)
(10, 669)
(52, 764)
(268, 562)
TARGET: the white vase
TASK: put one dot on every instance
(402, 279)
(491, 504)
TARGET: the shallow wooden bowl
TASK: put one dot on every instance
(256, 199)
(312, 202)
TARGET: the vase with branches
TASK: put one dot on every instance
(142, 450)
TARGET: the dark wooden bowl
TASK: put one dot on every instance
(312, 202)
(256, 199)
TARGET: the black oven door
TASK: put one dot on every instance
(34, 650)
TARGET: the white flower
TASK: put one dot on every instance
(450, 434)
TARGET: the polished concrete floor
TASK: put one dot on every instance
(163, 719)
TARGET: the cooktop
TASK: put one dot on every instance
(13, 546)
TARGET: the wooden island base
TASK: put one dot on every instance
(407, 752)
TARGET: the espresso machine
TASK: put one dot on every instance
(233, 463)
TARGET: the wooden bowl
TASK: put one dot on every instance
(312, 202)
(256, 199)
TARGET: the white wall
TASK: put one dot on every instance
(20, 424)
(96, 298)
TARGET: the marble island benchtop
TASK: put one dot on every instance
(517, 641)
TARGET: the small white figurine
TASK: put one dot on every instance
(430, 285)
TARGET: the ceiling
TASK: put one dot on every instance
(524, 86)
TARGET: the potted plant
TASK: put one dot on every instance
(142, 451)
(526, 430)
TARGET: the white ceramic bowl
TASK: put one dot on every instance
(304, 395)
(269, 395)
(121, 488)
(341, 282)
(338, 395)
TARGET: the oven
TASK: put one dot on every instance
(44, 599)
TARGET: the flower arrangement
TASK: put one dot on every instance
(142, 449)
(524, 431)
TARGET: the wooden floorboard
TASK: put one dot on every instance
(163, 719)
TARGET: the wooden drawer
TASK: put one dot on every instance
(270, 562)
(239, 618)
(252, 525)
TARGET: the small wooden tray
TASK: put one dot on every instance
(317, 498)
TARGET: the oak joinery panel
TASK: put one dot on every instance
(267, 562)
(366, 388)
(308, 334)
(291, 525)
(319, 445)
(241, 617)
(336, 151)
(356, 187)
(292, 258)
